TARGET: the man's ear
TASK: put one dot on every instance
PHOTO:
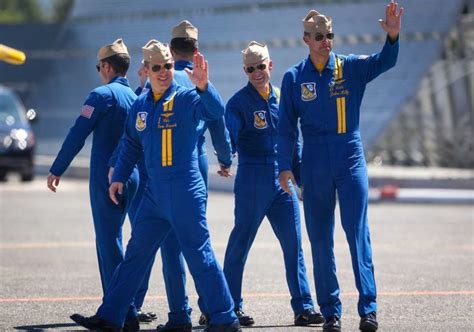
(306, 39)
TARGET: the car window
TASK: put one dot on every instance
(10, 111)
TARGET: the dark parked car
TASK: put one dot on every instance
(17, 141)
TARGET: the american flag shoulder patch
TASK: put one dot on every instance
(87, 111)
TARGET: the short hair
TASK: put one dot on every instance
(184, 46)
(119, 62)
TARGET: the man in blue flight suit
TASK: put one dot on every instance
(252, 119)
(184, 44)
(163, 125)
(324, 92)
(103, 113)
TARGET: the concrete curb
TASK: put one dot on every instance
(387, 184)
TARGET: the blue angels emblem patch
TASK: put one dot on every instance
(308, 91)
(259, 120)
(140, 124)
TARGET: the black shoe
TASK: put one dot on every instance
(244, 319)
(234, 327)
(95, 323)
(308, 316)
(131, 326)
(146, 317)
(188, 327)
(204, 319)
(368, 323)
(333, 324)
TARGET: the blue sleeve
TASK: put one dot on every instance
(370, 67)
(287, 124)
(138, 91)
(233, 123)
(130, 150)
(147, 86)
(94, 106)
(220, 141)
(207, 105)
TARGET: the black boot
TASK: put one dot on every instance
(332, 324)
(234, 327)
(244, 320)
(95, 323)
(368, 323)
(145, 317)
(187, 327)
(308, 316)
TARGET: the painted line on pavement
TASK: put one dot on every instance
(268, 295)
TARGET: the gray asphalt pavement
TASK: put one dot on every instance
(48, 270)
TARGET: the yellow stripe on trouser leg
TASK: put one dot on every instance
(163, 148)
(169, 149)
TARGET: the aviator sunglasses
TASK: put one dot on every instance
(157, 68)
(319, 36)
(251, 69)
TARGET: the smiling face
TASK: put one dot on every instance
(160, 75)
(259, 74)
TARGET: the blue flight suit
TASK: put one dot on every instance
(252, 122)
(174, 199)
(103, 113)
(328, 106)
(174, 271)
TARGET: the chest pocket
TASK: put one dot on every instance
(340, 101)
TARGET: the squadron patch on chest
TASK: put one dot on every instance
(140, 123)
(259, 120)
(308, 91)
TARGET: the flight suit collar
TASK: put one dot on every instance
(120, 79)
(181, 64)
(257, 95)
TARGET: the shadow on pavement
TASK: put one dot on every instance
(45, 327)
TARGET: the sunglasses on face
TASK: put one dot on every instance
(251, 69)
(98, 66)
(319, 36)
(157, 68)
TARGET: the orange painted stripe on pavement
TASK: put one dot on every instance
(42, 245)
(271, 295)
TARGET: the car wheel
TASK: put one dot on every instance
(27, 176)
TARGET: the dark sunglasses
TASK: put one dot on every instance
(98, 66)
(319, 36)
(251, 69)
(157, 68)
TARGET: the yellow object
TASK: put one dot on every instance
(11, 55)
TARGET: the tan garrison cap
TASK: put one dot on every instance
(117, 47)
(184, 30)
(255, 53)
(316, 22)
(155, 51)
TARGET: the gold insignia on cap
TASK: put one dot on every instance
(315, 22)
(117, 47)
(155, 51)
(255, 52)
(184, 30)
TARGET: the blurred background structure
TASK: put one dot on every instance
(420, 113)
